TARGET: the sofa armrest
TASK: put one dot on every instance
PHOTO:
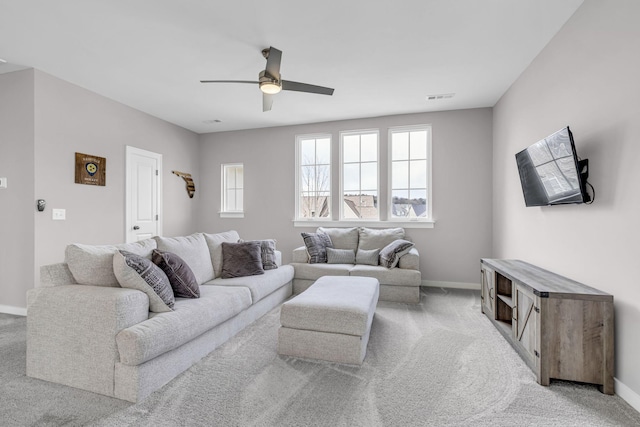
(56, 275)
(410, 261)
(300, 255)
(71, 333)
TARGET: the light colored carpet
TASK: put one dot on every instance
(440, 363)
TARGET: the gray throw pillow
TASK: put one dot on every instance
(317, 244)
(367, 257)
(390, 254)
(241, 259)
(340, 256)
(136, 272)
(181, 277)
(267, 252)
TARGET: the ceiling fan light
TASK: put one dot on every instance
(270, 88)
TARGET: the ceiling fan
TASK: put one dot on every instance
(270, 82)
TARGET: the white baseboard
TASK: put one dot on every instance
(18, 311)
(453, 285)
(628, 395)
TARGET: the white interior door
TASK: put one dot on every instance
(143, 194)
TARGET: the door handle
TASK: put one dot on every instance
(135, 227)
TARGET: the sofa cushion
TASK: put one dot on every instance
(190, 318)
(390, 254)
(193, 250)
(268, 253)
(315, 271)
(386, 276)
(342, 238)
(241, 259)
(378, 239)
(261, 285)
(183, 281)
(317, 244)
(367, 256)
(136, 272)
(93, 264)
(341, 256)
(214, 242)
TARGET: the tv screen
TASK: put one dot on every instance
(550, 172)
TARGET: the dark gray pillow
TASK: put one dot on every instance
(181, 277)
(340, 256)
(390, 254)
(317, 244)
(267, 252)
(241, 259)
(136, 272)
(367, 256)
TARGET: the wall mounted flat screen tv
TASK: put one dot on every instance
(551, 173)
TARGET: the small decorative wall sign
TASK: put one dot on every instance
(191, 186)
(91, 170)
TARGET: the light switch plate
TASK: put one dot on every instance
(59, 214)
(3, 182)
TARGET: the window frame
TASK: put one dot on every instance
(224, 211)
(298, 152)
(429, 217)
(341, 166)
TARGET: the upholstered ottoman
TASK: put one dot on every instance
(331, 320)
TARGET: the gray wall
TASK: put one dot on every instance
(17, 202)
(587, 77)
(461, 148)
(65, 119)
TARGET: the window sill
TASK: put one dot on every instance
(358, 223)
(231, 214)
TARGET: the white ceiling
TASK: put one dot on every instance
(382, 57)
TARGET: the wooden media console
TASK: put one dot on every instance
(561, 328)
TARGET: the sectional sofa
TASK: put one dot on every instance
(400, 283)
(84, 330)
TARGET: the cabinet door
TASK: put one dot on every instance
(525, 325)
(488, 292)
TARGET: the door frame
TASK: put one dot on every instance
(129, 151)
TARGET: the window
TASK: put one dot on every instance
(313, 180)
(232, 190)
(410, 158)
(359, 162)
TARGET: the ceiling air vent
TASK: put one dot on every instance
(440, 96)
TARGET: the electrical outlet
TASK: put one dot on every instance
(3, 182)
(59, 214)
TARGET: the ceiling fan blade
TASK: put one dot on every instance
(273, 62)
(267, 102)
(304, 87)
(229, 81)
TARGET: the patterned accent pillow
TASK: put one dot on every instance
(367, 257)
(317, 244)
(181, 277)
(340, 256)
(241, 259)
(136, 272)
(390, 254)
(267, 251)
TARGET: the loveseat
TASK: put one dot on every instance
(399, 281)
(84, 330)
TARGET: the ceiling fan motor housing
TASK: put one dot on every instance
(268, 83)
